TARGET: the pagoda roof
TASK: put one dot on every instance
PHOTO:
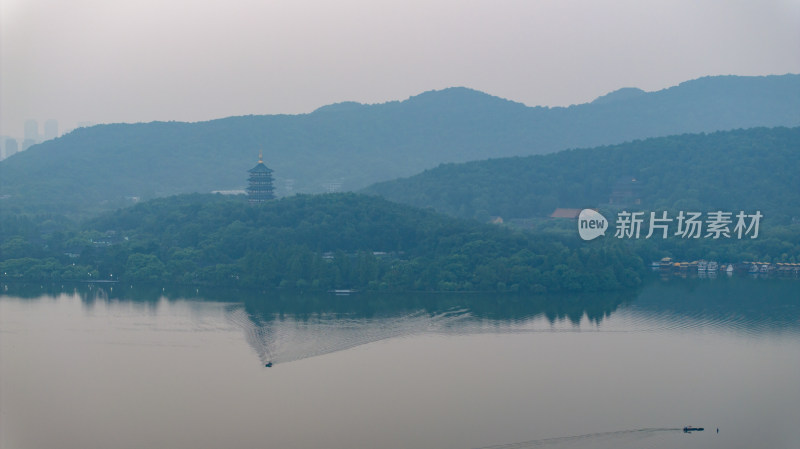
(260, 168)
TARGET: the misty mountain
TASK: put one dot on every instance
(348, 146)
(753, 169)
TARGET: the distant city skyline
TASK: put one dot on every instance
(33, 133)
(121, 61)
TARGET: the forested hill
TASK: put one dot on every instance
(754, 169)
(350, 146)
(335, 241)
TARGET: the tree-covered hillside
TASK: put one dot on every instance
(754, 169)
(349, 146)
(336, 241)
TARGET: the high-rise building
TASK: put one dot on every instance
(50, 129)
(11, 146)
(31, 131)
(260, 187)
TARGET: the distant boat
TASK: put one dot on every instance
(712, 266)
(702, 265)
(730, 268)
(689, 429)
(343, 292)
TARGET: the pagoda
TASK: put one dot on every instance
(260, 188)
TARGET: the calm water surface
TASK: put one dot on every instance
(118, 367)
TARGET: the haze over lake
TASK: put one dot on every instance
(125, 367)
(398, 224)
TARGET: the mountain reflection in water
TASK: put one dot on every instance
(283, 327)
(334, 324)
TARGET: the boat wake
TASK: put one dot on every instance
(288, 340)
(638, 433)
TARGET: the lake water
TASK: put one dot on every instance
(118, 367)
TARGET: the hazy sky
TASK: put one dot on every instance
(189, 60)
